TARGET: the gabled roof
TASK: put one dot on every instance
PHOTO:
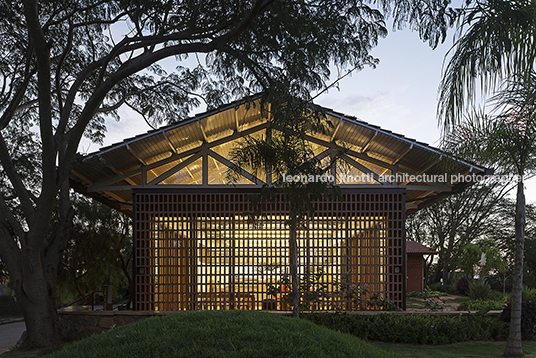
(194, 153)
(413, 247)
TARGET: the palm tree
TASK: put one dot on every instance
(495, 40)
(495, 44)
(507, 142)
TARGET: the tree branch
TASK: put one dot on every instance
(14, 178)
(63, 56)
(137, 64)
(8, 218)
(42, 54)
(13, 107)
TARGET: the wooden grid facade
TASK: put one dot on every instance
(195, 251)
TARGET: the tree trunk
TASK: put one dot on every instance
(36, 298)
(448, 255)
(293, 251)
(513, 345)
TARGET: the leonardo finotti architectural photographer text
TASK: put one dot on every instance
(396, 178)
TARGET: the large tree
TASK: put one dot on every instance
(457, 220)
(66, 66)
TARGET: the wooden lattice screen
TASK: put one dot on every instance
(195, 251)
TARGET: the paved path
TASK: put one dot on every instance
(10, 333)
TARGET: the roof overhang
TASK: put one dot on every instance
(193, 154)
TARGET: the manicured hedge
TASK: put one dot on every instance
(415, 328)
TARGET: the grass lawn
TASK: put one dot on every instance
(458, 350)
(221, 334)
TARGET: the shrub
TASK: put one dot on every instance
(529, 294)
(427, 293)
(414, 329)
(462, 286)
(481, 305)
(528, 318)
(497, 296)
(479, 290)
(8, 306)
(450, 289)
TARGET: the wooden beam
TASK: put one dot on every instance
(175, 169)
(365, 147)
(208, 146)
(115, 196)
(133, 152)
(204, 168)
(81, 176)
(243, 172)
(364, 169)
(336, 130)
(127, 179)
(236, 121)
(402, 154)
(202, 130)
(173, 149)
(431, 187)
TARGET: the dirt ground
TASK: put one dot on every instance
(443, 303)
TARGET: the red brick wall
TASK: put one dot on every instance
(415, 273)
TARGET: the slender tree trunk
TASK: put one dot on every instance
(293, 251)
(448, 255)
(439, 268)
(513, 345)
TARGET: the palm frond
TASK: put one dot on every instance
(495, 41)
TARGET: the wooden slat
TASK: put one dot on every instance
(194, 251)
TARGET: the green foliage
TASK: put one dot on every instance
(493, 44)
(479, 290)
(415, 328)
(431, 299)
(427, 293)
(221, 334)
(354, 293)
(463, 285)
(98, 253)
(483, 349)
(312, 289)
(469, 259)
(528, 318)
(450, 289)
(528, 294)
(481, 305)
(69, 66)
(314, 292)
(481, 258)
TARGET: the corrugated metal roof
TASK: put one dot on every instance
(378, 149)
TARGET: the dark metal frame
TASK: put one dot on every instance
(193, 251)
